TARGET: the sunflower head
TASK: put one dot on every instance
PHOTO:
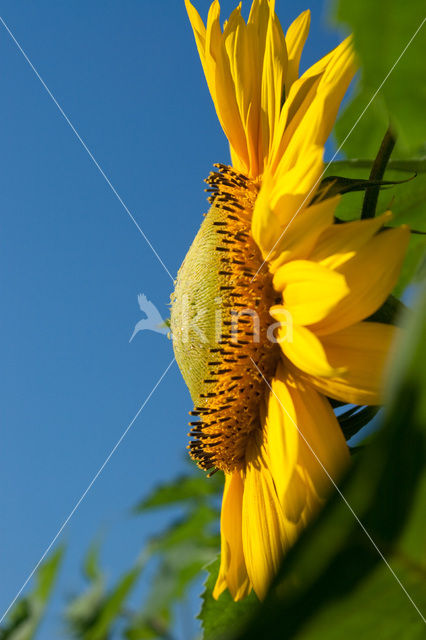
(271, 306)
(219, 323)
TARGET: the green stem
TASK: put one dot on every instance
(377, 173)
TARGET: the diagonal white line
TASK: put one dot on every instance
(86, 491)
(86, 148)
(346, 137)
(343, 498)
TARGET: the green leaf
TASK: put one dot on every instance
(335, 583)
(112, 606)
(193, 526)
(82, 611)
(27, 613)
(185, 488)
(92, 614)
(178, 569)
(146, 628)
(91, 566)
(222, 618)
(382, 31)
(182, 551)
(407, 200)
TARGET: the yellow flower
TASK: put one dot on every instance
(270, 306)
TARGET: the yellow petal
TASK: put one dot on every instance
(295, 39)
(370, 275)
(310, 291)
(282, 440)
(302, 347)
(340, 242)
(362, 350)
(232, 573)
(211, 46)
(303, 92)
(272, 86)
(227, 108)
(301, 233)
(306, 449)
(259, 17)
(198, 28)
(283, 225)
(206, 40)
(246, 69)
(264, 536)
(281, 436)
(313, 125)
(243, 66)
(323, 453)
(333, 85)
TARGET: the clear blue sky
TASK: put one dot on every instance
(72, 263)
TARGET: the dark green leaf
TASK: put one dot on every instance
(355, 419)
(222, 618)
(376, 174)
(390, 312)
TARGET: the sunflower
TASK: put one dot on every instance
(271, 305)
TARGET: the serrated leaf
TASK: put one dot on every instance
(222, 618)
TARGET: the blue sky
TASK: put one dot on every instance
(72, 263)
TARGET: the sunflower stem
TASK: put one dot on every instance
(377, 172)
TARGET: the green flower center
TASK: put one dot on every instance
(219, 322)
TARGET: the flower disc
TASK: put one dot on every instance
(219, 321)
